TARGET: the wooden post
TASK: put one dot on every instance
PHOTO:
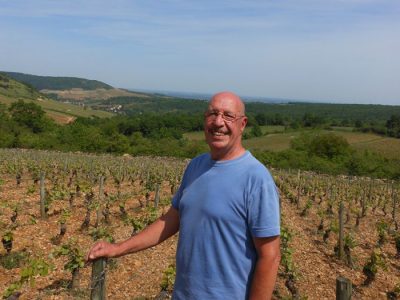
(363, 204)
(343, 288)
(298, 189)
(101, 194)
(369, 197)
(147, 198)
(394, 201)
(341, 234)
(98, 283)
(43, 214)
(157, 195)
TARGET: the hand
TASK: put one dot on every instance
(102, 249)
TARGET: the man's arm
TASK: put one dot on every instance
(166, 226)
(268, 250)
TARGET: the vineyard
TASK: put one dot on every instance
(55, 205)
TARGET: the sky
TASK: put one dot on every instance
(344, 51)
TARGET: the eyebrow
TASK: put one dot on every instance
(225, 111)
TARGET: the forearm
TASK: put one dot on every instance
(152, 235)
(266, 268)
(264, 278)
(166, 226)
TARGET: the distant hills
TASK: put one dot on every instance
(85, 97)
(12, 90)
(58, 83)
(71, 89)
(207, 96)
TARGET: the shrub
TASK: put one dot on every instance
(329, 146)
(168, 280)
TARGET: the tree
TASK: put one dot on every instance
(358, 124)
(256, 130)
(311, 120)
(301, 142)
(329, 145)
(80, 137)
(261, 119)
(393, 126)
(29, 114)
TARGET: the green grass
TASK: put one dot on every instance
(337, 128)
(386, 146)
(271, 129)
(72, 110)
(271, 142)
(194, 135)
(17, 90)
(199, 135)
(60, 109)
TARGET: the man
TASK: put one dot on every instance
(227, 214)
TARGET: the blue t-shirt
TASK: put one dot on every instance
(222, 205)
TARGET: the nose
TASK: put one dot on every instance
(219, 121)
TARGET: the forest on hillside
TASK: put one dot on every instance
(25, 125)
(57, 83)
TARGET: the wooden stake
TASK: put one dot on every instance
(341, 233)
(298, 189)
(157, 195)
(101, 196)
(394, 201)
(343, 288)
(98, 283)
(43, 214)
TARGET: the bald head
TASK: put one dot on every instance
(224, 124)
(231, 98)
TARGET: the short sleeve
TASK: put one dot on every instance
(263, 215)
(177, 197)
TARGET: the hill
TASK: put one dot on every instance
(58, 83)
(80, 95)
(12, 90)
(73, 89)
(100, 96)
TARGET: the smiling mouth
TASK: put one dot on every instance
(218, 133)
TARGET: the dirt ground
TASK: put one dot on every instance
(138, 276)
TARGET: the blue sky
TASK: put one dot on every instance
(344, 51)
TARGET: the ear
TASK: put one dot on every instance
(243, 123)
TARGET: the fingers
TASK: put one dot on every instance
(100, 249)
(90, 255)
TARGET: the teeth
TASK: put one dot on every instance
(218, 133)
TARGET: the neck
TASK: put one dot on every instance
(219, 155)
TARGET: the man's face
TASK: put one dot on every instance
(224, 137)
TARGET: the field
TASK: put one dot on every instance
(388, 147)
(112, 197)
(271, 142)
(61, 112)
(78, 94)
(275, 139)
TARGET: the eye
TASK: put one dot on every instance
(211, 114)
(229, 116)
(214, 113)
